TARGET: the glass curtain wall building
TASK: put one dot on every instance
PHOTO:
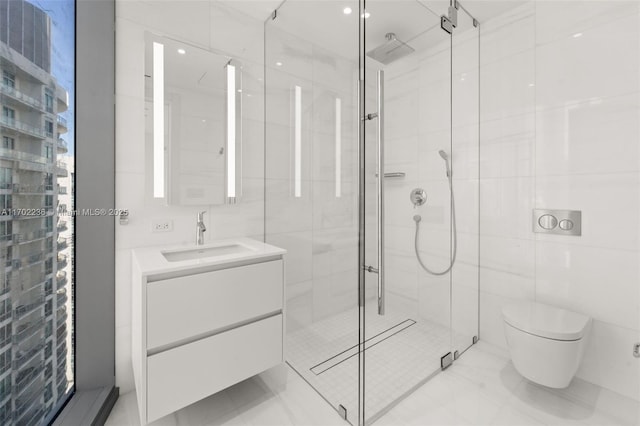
(36, 356)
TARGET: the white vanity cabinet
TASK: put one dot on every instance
(200, 326)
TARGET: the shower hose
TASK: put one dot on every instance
(417, 219)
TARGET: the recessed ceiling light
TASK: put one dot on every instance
(278, 64)
(347, 11)
(365, 15)
(182, 51)
(576, 35)
(531, 84)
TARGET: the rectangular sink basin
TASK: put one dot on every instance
(204, 252)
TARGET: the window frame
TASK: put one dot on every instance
(94, 239)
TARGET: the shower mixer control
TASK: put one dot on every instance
(418, 197)
(560, 222)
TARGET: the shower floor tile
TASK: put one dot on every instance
(394, 366)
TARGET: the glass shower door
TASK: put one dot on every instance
(407, 149)
(311, 193)
(421, 179)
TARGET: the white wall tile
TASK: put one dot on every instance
(130, 134)
(506, 86)
(505, 207)
(558, 20)
(598, 282)
(129, 58)
(576, 69)
(508, 34)
(594, 136)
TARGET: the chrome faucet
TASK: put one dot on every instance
(200, 229)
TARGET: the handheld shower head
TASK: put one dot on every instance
(445, 157)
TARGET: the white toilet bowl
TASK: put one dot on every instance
(546, 343)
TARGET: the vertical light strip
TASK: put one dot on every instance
(298, 143)
(158, 120)
(231, 131)
(338, 147)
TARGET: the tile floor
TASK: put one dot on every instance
(481, 388)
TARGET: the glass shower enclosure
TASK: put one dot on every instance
(372, 185)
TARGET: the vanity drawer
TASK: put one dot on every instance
(179, 309)
(181, 376)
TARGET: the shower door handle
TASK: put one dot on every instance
(380, 203)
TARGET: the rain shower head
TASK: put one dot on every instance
(392, 50)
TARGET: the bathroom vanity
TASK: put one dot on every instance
(203, 318)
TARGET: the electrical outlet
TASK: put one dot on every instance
(162, 226)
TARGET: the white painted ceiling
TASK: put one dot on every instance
(323, 22)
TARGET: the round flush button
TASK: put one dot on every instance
(547, 221)
(566, 225)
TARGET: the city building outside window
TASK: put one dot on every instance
(37, 56)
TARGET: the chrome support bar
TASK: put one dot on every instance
(393, 175)
(380, 204)
(361, 196)
(370, 269)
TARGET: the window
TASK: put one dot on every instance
(8, 143)
(6, 228)
(5, 201)
(8, 255)
(48, 100)
(5, 177)
(5, 384)
(5, 357)
(8, 116)
(5, 335)
(48, 181)
(36, 34)
(48, 152)
(5, 312)
(48, 128)
(8, 79)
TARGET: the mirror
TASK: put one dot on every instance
(193, 114)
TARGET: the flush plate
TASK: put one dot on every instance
(559, 222)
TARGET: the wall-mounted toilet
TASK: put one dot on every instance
(546, 343)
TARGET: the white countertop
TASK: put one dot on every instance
(151, 261)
